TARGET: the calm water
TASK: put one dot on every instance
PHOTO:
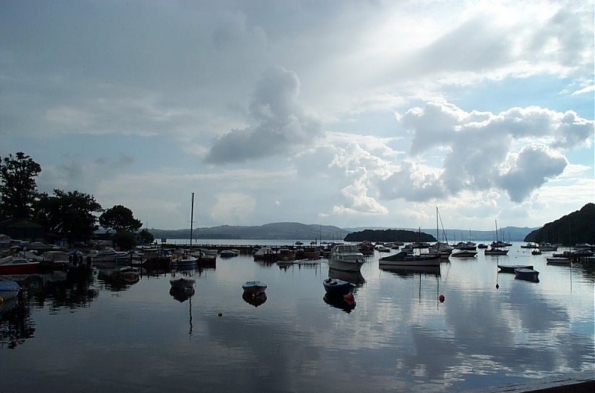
(98, 335)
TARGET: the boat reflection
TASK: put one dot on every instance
(355, 278)
(118, 279)
(54, 290)
(7, 305)
(407, 271)
(342, 302)
(255, 299)
(181, 293)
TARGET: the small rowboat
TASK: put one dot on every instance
(334, 286)
(254, 287)
(9, 289)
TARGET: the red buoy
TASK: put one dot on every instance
(441, 298)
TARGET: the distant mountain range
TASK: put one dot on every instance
(311, 232)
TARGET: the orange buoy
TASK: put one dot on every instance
(441, 298)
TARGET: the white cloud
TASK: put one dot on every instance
(280, 122)
(479, 146)
(353, 113)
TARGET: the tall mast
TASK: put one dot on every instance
(191, 218)
(437, 231)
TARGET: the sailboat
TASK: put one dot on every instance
(185, 260)
(495, 247)
(442, 249)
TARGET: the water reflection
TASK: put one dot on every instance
(342, 302)
(355, 278)
(180, 293)
(117, 279)
(478, 337)
(256, 299)
(16, 324)
(408, 271)
(54, 290)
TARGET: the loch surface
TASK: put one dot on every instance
(93, 334)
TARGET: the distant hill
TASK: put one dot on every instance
(576, 227)
(274, 231)
(298, 231)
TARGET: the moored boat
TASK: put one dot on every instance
(526, 274)
(512, 268)
(254, 287)
(18, 265)
(185, 261)
(229, 253)
(346, 257)
(464, 254)
(561, 261)
(336, 287)
(548, 247)
(405, 259)
(9, 289)
(495, 251)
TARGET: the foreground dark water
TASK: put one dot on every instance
(95, 335)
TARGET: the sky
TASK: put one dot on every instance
(347, 113)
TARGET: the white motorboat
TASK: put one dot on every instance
(346, 257)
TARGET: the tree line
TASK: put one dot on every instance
(70, 215)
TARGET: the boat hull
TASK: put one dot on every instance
(18, 268)
(512, 268)
(527, 275)
(345, 265)
(403, 259)
(9, 289)
(254, 287)
(336, 287)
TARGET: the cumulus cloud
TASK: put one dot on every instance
(529, 170)
(480, 151)
(281, 122)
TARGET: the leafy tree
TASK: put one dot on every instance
(18, 189)
(146, 237)
(119, 218)
(68, 214)
(124, 240)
